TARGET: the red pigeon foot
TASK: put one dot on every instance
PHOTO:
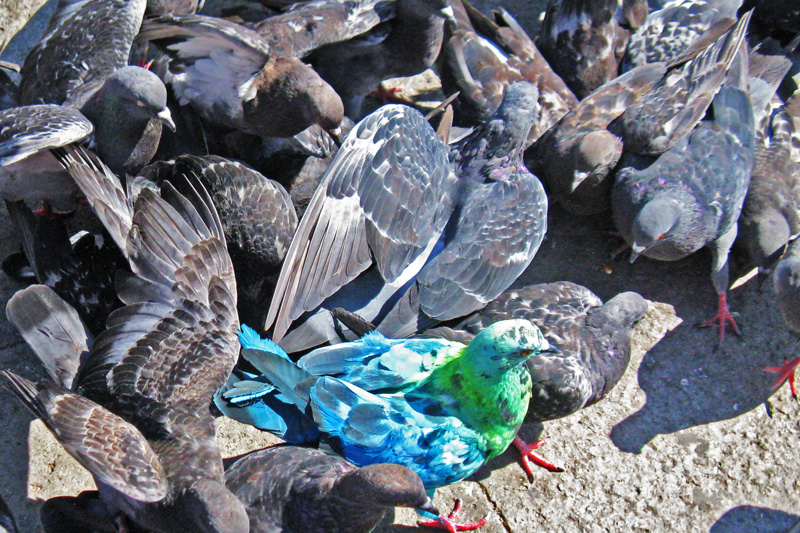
(447, 523)
(389, 96)
(786, 372)
(722, 316)
(526, 451)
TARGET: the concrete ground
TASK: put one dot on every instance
(690, 440)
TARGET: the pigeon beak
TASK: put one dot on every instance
(166, 117)
(449, 15)
(428, 507)
(636, 251)
(551, 348)
(336, 135)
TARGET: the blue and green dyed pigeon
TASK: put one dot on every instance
(439, 407)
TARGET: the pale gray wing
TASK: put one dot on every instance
(102, 190)
(499, 230)
(27, 130)
(385, 199)
(113, 450)
(213, 62)
(52, 329)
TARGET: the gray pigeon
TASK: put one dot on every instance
(593, 341)
(232, 78)
(126, 104)
(136, 412)
(583, 40)
(692, 195)
(289, 489)
(442, 245)
(643, 112)
(481, 57)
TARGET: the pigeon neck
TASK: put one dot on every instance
(415, 38)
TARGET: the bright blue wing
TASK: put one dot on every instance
(375, 429)
(375, 363)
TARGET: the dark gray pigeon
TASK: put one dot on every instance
(593, 341)
(481, 57)
(257, 216)
(136, 414)
(692, 195)
(409, 45)
(232, 78)
(667, 32)
(583, 40)
(288, 489)
(441, 244)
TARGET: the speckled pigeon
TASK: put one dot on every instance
(136, 412)
(442, 245)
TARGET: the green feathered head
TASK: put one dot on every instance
(507, 344)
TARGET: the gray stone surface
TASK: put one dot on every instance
(684, 443)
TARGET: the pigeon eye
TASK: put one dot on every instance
(662, 236)
(526, 353)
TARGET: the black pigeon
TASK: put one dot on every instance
(232, 78)
(583, 40)
(692, 195)
(257, 216)
(136, 414)
(593, 339)
(481, 57)
(288, 489)
(355, 67)
(440, 245)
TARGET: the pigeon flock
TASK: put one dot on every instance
(257, 240)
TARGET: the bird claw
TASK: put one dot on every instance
(387, 96)
(526, 451)
(447, 523)
(722, 317)
(786, 371)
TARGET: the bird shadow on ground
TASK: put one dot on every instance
(691, 379)
(688, 376)
(750, 518)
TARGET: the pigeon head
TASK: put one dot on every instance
(507, 344)
(764, 234)
(596, 154)
(140, 92)
(385, 484)
(210, 507)
(292, 97)
(653, 223)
